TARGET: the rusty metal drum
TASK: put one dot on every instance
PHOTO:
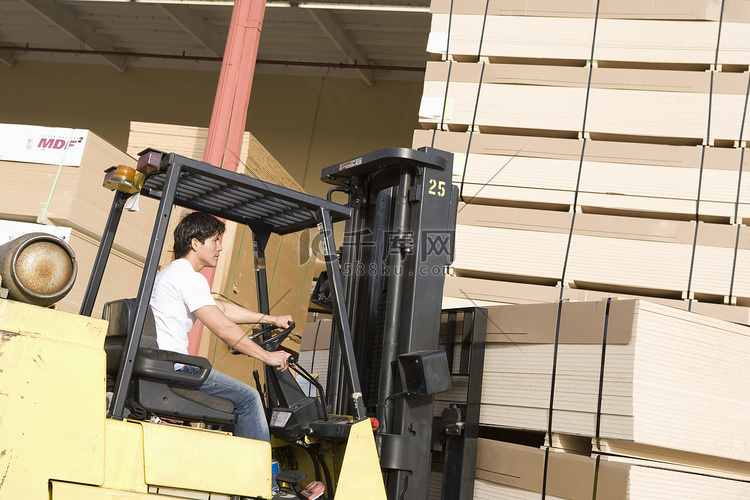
(37, 268)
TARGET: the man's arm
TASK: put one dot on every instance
(228, 331)
(240, 315)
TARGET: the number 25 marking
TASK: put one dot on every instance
(437, 188)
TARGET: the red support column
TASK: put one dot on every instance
(229, 115)
(224, 141)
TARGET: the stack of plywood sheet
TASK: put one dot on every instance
(656, 392)
(255, 160)
(658, 257)
(634, 179)
(507, 470)
(314, 349)
(619, 124)
(631, 103)
(599, 150)
(477, 292)
(667, 33)
(289, 260)
(73, 196)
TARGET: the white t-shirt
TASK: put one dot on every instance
(178, 292)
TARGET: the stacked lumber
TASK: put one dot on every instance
(698, 10)
(652, 32)
(72, 196)
(626, 254)
(661, 385)
(461, 292)
(288, 259)
(656, 391)
(599, 148)
(508, 470)
(191, 142)
(634, 179)
(314, 349)
(659, 104)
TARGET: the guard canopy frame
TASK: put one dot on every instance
(176, 180)
(238, 197)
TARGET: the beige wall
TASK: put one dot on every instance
(309, 123)
(306, 122)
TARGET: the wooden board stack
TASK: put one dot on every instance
(460, 291)
(74, 197)
(653, 392)
(314, 349)
(507, 470)
(289, 262)
(655, 257)
(191, 141)
(586, 138)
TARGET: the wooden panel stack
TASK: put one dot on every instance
(654, 391)
(606, 252)
(315, 348)
(600, 151)
(289, 262)
(508, 470)
(78, 200)
(599, 148)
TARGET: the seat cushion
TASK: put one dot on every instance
(203, 399)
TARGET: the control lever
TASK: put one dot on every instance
(256, 377)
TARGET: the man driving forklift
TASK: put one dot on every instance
(181, 295)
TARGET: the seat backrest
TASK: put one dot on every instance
(160, 395)
(120, 314)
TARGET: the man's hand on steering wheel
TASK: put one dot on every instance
(281, 321)
(279, 359)
(271, 342)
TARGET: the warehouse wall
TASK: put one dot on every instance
(306, 122)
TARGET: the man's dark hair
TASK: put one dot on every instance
(197, 225)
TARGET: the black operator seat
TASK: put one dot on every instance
(155, 382)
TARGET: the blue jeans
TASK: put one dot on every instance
(251, 419)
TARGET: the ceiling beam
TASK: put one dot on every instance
(64, 18)
(338, 36)
(195, 26)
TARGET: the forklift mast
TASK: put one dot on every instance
(396, 249)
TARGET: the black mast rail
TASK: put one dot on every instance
(396, 248)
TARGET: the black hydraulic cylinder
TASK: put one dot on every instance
(395, 298)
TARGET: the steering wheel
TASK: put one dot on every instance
(272, 343)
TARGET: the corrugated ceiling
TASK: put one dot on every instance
(364, 41)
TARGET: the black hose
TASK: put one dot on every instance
(326, 472)
(314, 459)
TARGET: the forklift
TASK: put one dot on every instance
(371, 432)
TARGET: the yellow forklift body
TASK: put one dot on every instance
(52, 402)
(55, 438)
(360, 472)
